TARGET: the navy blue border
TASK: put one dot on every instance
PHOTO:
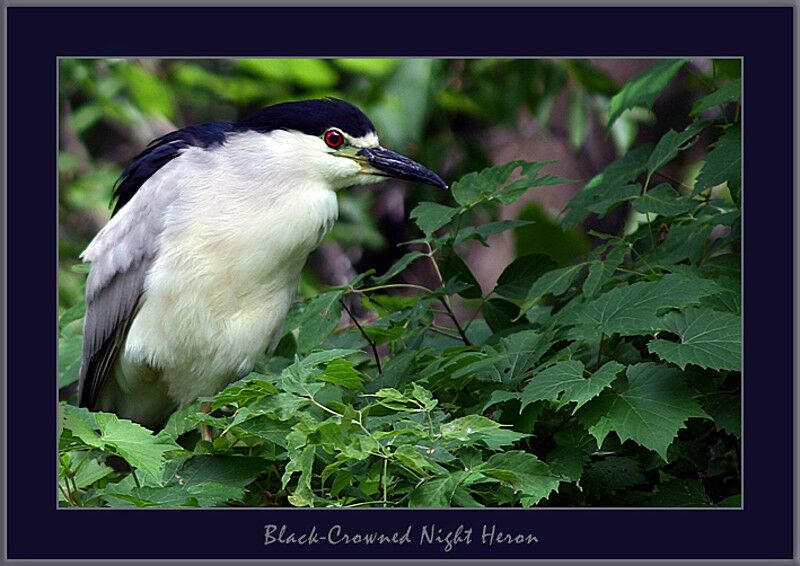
(37, 35)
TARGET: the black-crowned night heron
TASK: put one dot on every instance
(192, 277)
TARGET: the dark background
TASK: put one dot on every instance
(36, 36)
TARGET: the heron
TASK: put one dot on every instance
(191, 279)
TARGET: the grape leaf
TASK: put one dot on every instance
(673, 142)
(644, 88)
(430, 216)
(69, 360)
(342, 372)
(437, 492)
(573, 450)
(319, 319)
(723, 163)
(708, 338)
(556, 282)
(602, 271)
(633, 309)
(397, 267)
(648, 408)
(564, 383)
(608, 188)
(732, 90)
(72, 314)
(520, 274)
(140, 447)
(726, 410)
(523, 472)
(664, 200)
(490, 183)
(682, 242)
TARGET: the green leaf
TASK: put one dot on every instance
(708, 338)
(576, 119)
(490, 183)
(232, 471)
(649, 408)
(602, 271)
(591, 77)
(75, 312)
(412, 458)
(481, 233)
(343, 372)
(732, 90)
(209, 494)
(679, 493)
(430, 216)
(81, 423)
(664, 200)
(644, 88)
(573, 450)
(514, 356)
(461, 428)
(683, 241)
(553, 282)
(367, 66)
(632, 309)
(146, 496)
(454, 268)
(723, 163)
(564, 383)
(437, 492)
(499, 314)
(320, 317)
(140, 448)
(150, 94)
(672, 143)
(523, 472)
(726, 410)
(398, 266)
(300, 461)
(69, 360)
(609, 188)
(86, 470)
(520, 274)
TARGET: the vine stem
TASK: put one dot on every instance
(369, 340)
(443, 299)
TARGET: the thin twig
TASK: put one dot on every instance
(443, 299)
(369, 340)
(444, 333)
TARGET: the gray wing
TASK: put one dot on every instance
(121, 255)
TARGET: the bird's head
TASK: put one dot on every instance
(332, 140)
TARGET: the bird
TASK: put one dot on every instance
(191, 279)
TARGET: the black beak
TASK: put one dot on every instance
(391, 164)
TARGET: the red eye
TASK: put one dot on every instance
(334, 138)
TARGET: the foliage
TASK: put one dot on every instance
(613, 380)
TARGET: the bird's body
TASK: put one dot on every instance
(192, 278)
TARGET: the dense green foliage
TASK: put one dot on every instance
(612, 379)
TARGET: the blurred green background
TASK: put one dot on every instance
(454, 116)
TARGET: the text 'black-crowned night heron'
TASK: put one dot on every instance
(191, 279)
